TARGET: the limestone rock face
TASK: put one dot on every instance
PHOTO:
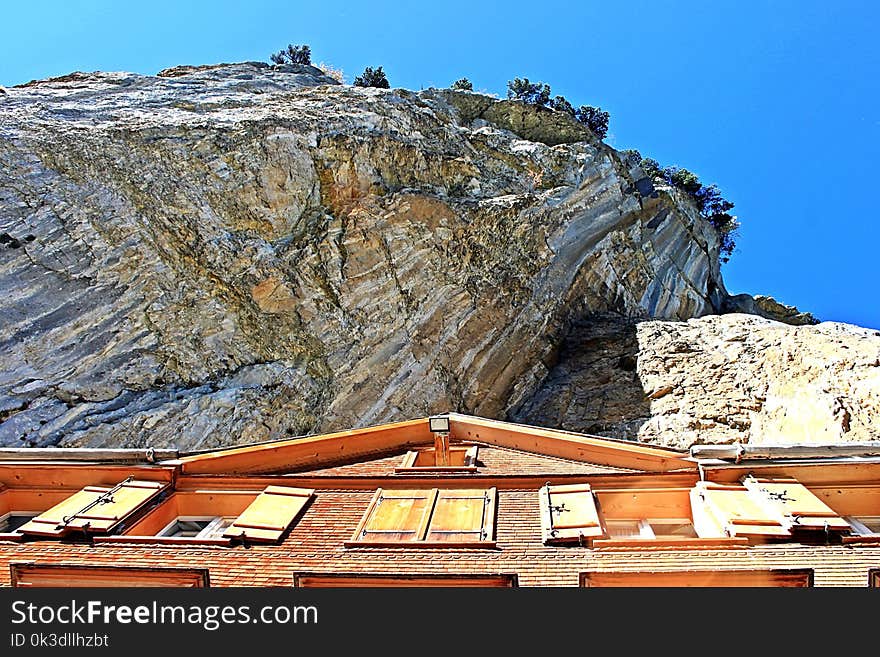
(230, 253)
(715, 379)
(766, 307)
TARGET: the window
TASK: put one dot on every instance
(651, 528)
(869, 524)
(11, 522)
(575, 514)
(802, 577)
(60, 575)
(94, 509)
(219, 517)
(362, 580)
(428, 518)
(190, 527)
(460, 459)
(865, 529)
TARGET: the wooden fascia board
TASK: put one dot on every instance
(313, 451)
(599, 482)
(813, 473)
(549, 442)
(74, 476)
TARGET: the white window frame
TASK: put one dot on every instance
(214, 529)
(859, 527)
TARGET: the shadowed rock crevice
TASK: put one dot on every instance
(594, 387)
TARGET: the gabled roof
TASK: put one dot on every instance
(346, 446)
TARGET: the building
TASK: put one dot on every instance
(451, 500)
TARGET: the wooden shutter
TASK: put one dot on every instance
(396, 516)
(94, 508)
(735, 510)
(569, 514)
(270, 514)
(463, 516)
(794, 504)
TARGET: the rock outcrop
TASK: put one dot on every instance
(231, 253)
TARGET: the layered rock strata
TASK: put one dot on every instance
(226, 254)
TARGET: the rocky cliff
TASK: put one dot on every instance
(714, 379)
(225, 254)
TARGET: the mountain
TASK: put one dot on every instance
(233, 253)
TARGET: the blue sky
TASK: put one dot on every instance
(777, 102)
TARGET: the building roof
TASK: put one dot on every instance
(346, 446)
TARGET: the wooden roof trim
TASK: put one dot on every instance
(214, 483)
(818, 472)
(576, 447)
(74, 476)
(312, 451)
(315, 451)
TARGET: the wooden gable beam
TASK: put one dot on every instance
(576, 447)
(206, 483)
(313, 451)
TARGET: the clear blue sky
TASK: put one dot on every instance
(776, 101)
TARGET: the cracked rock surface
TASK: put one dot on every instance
(224, 254)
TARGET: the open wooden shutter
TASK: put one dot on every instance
(569, 514)
(396, 515)
(270, 514)
(735, 510)
(94, 508)
(794, 504)
(463, 516)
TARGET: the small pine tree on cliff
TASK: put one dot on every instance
(533, 93)
(293, 55)
(372, 78)
(594, 118)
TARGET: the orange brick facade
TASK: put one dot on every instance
(315, 545)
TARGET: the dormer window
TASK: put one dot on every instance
(457, 459)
